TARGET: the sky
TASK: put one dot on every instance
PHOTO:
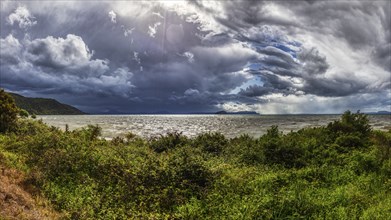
(272, 57)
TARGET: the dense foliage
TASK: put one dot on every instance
(8, 112)
(339, 171)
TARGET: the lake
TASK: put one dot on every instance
(192, 125)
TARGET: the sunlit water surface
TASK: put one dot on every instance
(192, 125)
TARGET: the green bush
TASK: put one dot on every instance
(382, 141)
(282, 150)
(273, 132)
(169, 141)
(286, 153)
(8, 112)
(91, 132)
(349, 141)
(351, 123)
(191, 172)
(211, 142)
(246, 150)
(23, 113)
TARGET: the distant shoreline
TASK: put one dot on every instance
(205, 113)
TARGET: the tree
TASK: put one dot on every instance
(352, 131)
(351, 123)
(8, 112)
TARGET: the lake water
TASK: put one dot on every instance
(191, 125)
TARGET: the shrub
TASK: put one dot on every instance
(382, 141)
(246, 149)
(273, 132)
(361, 162)
(117, 141)
(283, 152)
(351, 123)
(211, 142)
(91, 132)
(30, 127)
(130, 136)
(8, 112)
(190, 170)
(94, 131)
(349, 141)
(282, 149)
(23, 113)
(166, 142)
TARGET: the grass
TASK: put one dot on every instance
(338, 171)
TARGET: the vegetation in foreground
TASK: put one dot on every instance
(339, 171)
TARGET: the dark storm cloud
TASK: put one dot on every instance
(255, 90)
(357, 22)
(275, 82)
(57, 65)
(227, 58)
(333, 88)
(313, 62)
(308, 69)
(70, 54)
(278, 53)
(195, 100)
(213, 39)
(271, 84)
(351, 20)
(145, 56)
(155, 63)
(361, 24)
(382, 55)
(10, 51)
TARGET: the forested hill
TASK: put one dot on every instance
(43, 106)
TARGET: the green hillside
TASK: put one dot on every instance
(43, 106)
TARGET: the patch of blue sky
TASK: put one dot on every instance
(295, 43)
(255, 80)
(283, 47)
(254, 66)
(291, 47)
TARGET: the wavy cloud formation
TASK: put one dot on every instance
(199, 56)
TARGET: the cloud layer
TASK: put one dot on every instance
(200, 56)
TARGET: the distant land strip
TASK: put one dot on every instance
(43, 106)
